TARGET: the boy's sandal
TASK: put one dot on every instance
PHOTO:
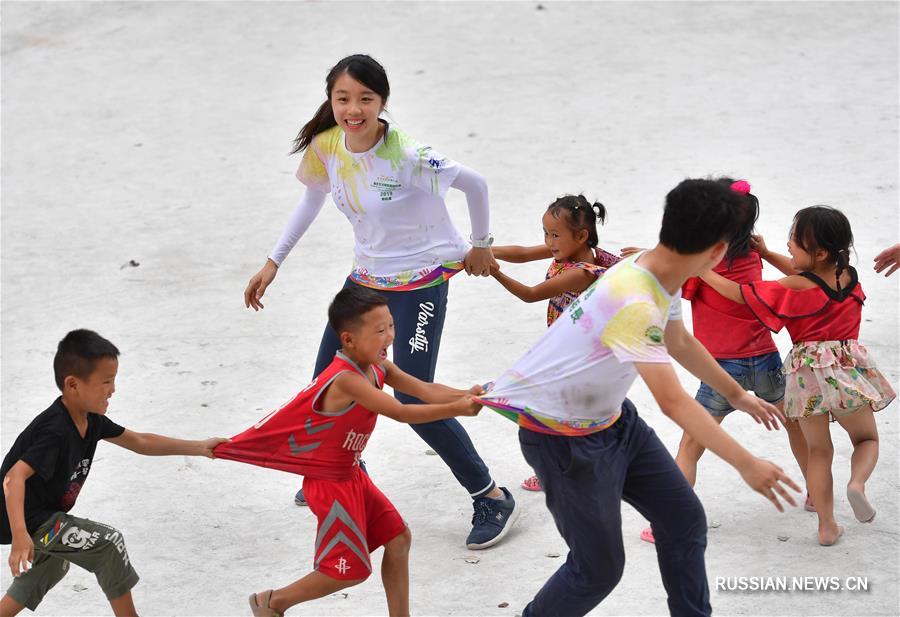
(532, 484)
(647, 535)
(263, 610)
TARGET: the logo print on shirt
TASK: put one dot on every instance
(385, 186)
(655, 334)
(419, 342)
(342, 566)
(576, 314)
(81, 469)
(356, 443)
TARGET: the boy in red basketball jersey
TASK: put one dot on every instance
(321, 434)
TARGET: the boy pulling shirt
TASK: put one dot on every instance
(46, 468)
(61, 459)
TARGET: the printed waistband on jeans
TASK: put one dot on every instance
(409, 281)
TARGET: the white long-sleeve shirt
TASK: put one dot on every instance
(393, 196)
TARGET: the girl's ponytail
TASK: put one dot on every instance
(321, 121)
(599, 211)
(842, 262)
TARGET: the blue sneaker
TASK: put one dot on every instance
(492, 520)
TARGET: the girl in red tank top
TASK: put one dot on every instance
(830, 374)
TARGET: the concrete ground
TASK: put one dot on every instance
(158, 132)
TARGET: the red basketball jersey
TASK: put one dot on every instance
(302, 438)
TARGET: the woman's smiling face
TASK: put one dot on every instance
(356, 109)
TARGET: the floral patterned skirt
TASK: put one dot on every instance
(832, 377)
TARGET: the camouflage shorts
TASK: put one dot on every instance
(66, 539)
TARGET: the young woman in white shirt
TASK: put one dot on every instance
(391, 188)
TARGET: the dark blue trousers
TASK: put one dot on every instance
(585, 479)
(418, 322)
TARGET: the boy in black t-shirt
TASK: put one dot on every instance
(46, 468)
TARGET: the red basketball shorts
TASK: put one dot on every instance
(355, 518)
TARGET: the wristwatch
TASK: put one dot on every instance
(484, 243)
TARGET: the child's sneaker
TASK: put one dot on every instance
(299, 498)
(532, 484)
(492, 520)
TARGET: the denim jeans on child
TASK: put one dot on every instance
(418, 322)
(585, 479)
(761, 375)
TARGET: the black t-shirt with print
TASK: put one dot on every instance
(61, 459)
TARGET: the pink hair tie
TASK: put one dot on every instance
(741, 186)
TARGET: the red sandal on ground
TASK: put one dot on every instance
(647, 535)
(532, 484)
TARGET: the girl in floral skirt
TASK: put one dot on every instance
(830, 375)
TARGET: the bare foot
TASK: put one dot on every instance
(862, 509)
(808, 505)
(828, 536)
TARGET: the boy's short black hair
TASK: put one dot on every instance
(77, 355)
(699, 213)
(350, 304)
